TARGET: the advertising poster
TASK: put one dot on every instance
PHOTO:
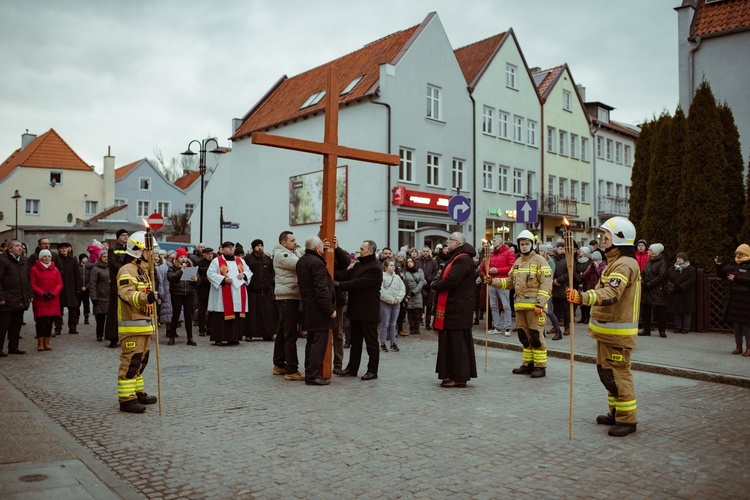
(306, 197)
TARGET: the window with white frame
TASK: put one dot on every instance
(488, 120)
(518, 128)
(164, 208)
(517, 181)
(313, 99)
(609, 149)
(626, 157)
(600, 147)
(189, 207)
(91, 207)
(458, 174)
(563, 187)
(502, 123)
(119, 202)
(584, 148)
(567, 100)
(488, 172)
(618, 190)
(573, 189)
(574, 145)
(33, 207)
(433, 170)
(510, 75)
(502, 179)
(627, 192)
(406, 165)
(585, 192)
(433, 103)
(610, 187)
(531, 132)
(530, 184)
(602, 114)
(563, 143)
(144, 183)
(551, 139)
(551, 184)
(144, 208)
(601, 187)
(618, 152)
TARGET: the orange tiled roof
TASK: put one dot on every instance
(106, 213)
(125, 170)
(49, 150)
(474, 58)
(549, 77)
(283, 102)
(713, 18)
(187, 180)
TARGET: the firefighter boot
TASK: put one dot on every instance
(132, 406)
(538, 373)
(607, 419)
(524, 369)
(620, 430)
(145, 399)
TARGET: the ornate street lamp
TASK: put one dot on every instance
(202, 166)
(16, 196)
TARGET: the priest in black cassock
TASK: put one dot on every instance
(455, 289)
(262, 319)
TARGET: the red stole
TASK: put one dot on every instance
(442, 300)
(226, 290)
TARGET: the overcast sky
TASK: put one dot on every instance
(138, 75)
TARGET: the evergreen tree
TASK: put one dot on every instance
(674, 178)
(704, 232)
(656, 211)
(733, 180)
(639, 175)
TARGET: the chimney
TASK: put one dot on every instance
(535, 69)
(109, 179)
(581, 91)
(26, 139)
(236, 124)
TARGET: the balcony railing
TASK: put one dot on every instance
(559, 205)
(610, 206)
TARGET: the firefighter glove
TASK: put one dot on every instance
(573, 296)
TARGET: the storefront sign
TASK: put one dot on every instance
(420, 199)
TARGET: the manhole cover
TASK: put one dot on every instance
(32, 478)
(182, 369)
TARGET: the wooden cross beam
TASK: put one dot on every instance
(331, 151)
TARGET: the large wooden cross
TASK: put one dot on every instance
(331, 151)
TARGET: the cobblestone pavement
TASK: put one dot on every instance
(230, 429)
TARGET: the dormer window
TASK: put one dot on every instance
(313, 99)
(351, 85)
(602, 114)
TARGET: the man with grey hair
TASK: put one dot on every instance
(455, 289)
(319, 303)
(15, 296)
(362, 280)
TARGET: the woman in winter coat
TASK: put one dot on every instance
(392, 292)
(737, 301)
(680, 289)
(46, 285)
(414, 282)
(182, 294)
(98, 287)
(653, 294)
(583, 261)
(165, 300)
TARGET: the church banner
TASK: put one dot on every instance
(306, 197)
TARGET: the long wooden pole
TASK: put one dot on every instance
(570, 261)
(154, 318)
(485, 247)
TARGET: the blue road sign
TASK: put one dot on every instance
(526, 211)
(230, 226)
(459, 208)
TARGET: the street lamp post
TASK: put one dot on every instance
(16, 196)
(202, 166)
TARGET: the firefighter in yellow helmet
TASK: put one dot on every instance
(136, 297)
(615, 304)
(531, 277)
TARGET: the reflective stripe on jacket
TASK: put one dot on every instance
(133, 310)
(531, 277)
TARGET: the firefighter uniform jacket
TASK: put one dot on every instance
(531, 277)
(615, 301)
(134, 313)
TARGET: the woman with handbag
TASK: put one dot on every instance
(681, 292)
(392, 292)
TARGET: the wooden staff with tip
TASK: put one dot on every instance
(570, 261)
(485, 249)
(154, 319)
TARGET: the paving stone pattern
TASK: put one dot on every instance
(233, 430)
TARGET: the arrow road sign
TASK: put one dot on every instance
(459, 208)
(526, 211)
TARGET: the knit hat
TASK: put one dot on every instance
(596, 255)
(744, 249)
(45, 252)
(683, 256)
(103, 254)
(120, 231)
(585, 251)
(645, 244)
(181, 252)
(657, 248)
(94, 251)
(256, 242)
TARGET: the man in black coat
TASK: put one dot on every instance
(319, 303)
(429, 267)
(116, 255)
(454, 310)
(15, 296)
(362, 280)
(262, 320)
(72, 278)
(203, 289)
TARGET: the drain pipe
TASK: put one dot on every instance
(387, 191)
(691, 59)
(474, 166)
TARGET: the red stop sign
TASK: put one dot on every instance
(155, 221)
